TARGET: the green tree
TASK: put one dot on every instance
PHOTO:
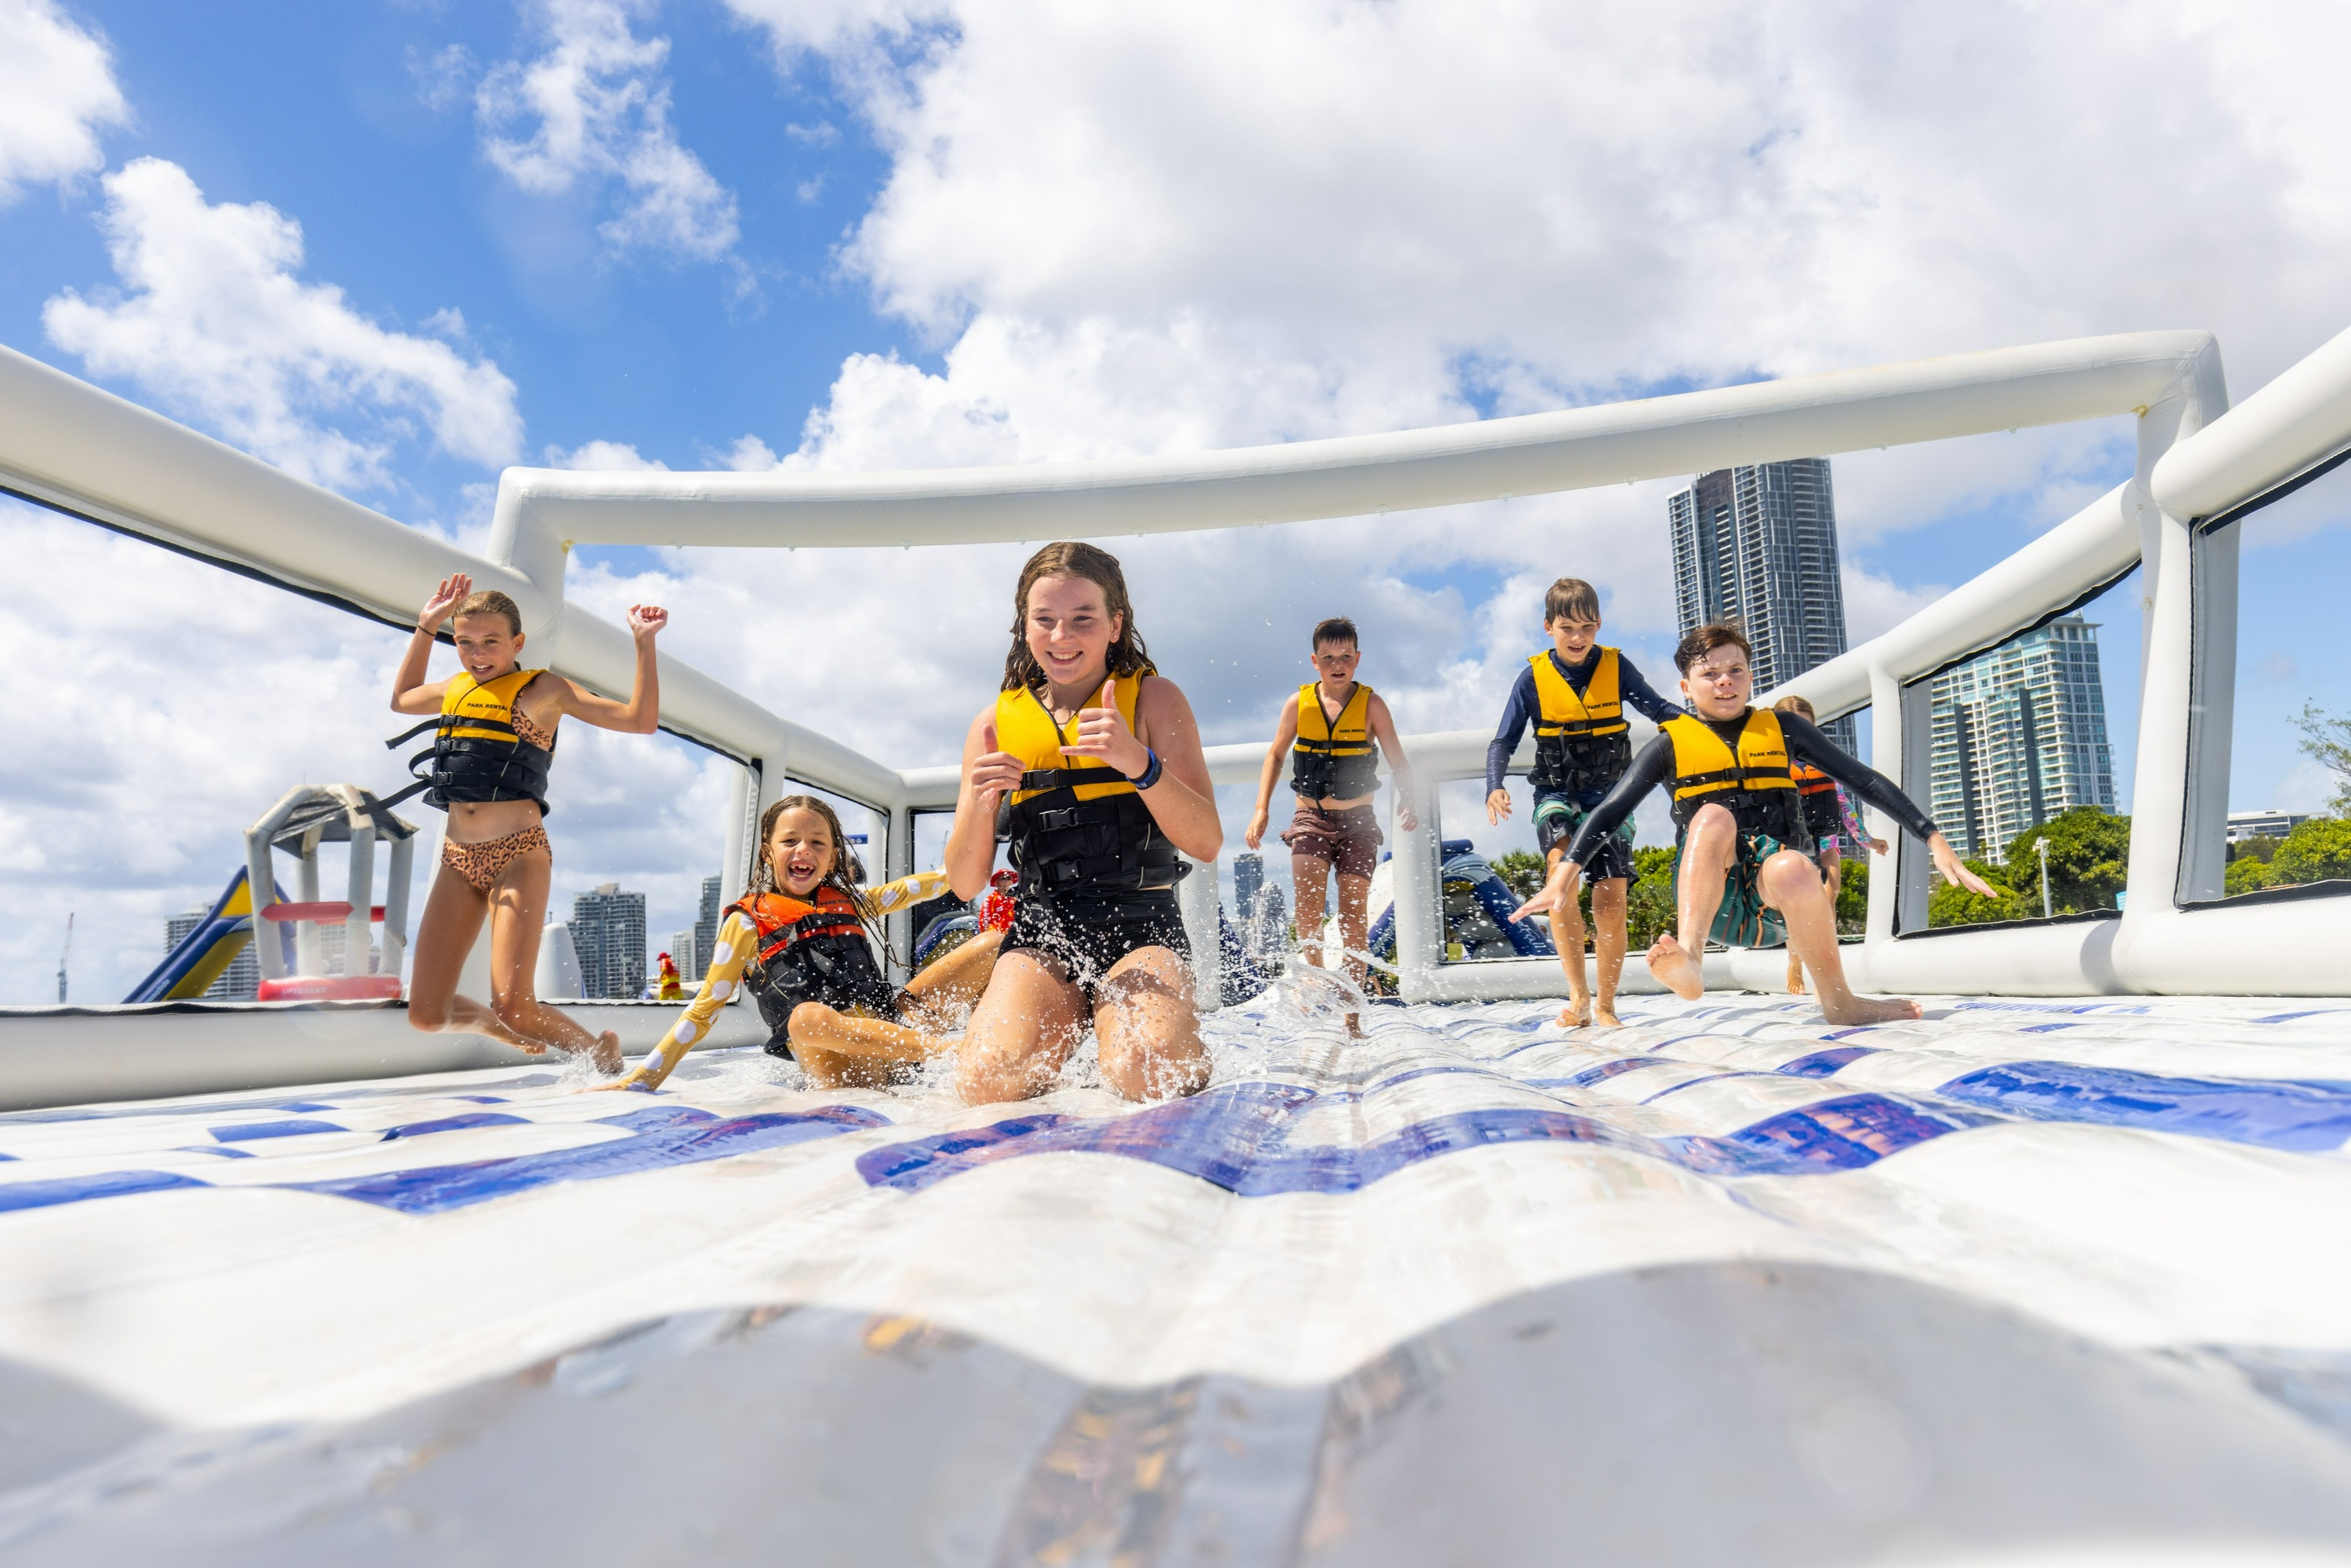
(1521, 870)
(2316, 851)
(1852, 898)
(2246, 873)
(1649, 911)
(2328, 740)
(1951, 904)
(2089, 862)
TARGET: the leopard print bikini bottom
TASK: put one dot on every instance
(482, 864)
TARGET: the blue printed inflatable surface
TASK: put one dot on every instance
(2020, 1282)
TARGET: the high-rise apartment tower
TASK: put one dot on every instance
(1758, 546)
(608, 932)
(2019, 735)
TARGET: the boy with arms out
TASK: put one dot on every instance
(1575, 694)
(1332, 722)
(1742, 869)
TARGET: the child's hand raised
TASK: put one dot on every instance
(1103, 736)
(446, 598)
(646, 619)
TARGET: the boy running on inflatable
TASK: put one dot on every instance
(800, 939)
(493, 741)
(1575, 693)
(1333, 724)
(1742, 869)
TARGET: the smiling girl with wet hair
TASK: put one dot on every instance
(1089, 764)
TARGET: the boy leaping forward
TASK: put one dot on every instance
(1575, 693)
(1335, 723)
(1741, 870)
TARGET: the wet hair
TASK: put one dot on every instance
(1097, 566)
(846, 872)
(1700, 640)
(1336, 629)
(1797, 706)
(489, 602)
(1571, 599)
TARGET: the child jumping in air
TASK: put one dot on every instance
(1333, 723)
(1743, 872)
(1575, 693)
(493, 741)
(803, 938)
(1830, 818)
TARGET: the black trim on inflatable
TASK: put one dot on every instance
(2333, 887)
(2080, 918)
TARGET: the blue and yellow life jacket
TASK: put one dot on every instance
(1581, 742)
(1755, 784)
(476, 754)
(1334, 760)
(1079, 829)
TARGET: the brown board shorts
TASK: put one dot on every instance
(1347, 841)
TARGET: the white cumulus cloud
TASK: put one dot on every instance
(593, 110)
(58, 91)
(213, 321)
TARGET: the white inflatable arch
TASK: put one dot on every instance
(71, 446)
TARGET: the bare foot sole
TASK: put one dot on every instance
(1677, 970)
(1870, 1009)
(607, 1055)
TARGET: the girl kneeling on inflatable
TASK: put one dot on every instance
(803, 939)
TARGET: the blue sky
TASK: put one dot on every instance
(901, 232)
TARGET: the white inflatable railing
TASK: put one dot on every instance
(67, 444)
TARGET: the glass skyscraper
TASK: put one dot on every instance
(608, 932)
(1758, 546)
(2020, 735)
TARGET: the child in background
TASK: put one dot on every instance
(1333, 723)
(1742, 874)
(1575, 694)
(494, 742)
(803, 938)
(1830, 818)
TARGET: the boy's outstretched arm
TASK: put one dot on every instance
(1640, 696)
(1649, 770)
(1882, 793)
(1285, 734)
(1383, 730)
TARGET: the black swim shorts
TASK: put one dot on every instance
(1086, 938)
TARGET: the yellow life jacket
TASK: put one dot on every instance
(1580, 742)
(1755, 784)
(477, 754)
(1079, 829)
(1334, 760)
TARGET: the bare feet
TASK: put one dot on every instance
(1866, 1010)
(1604, 1016)
(607, 1054)
(1355, 1026)
(1576, 1014)
(1676, 969)
(1795, 975)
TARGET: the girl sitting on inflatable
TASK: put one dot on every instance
(1089, 763)
(803, 938)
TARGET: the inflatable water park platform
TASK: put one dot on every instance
(2038, 1280)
